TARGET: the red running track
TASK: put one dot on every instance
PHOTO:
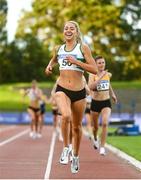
(24, 158)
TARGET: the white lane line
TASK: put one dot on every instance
(6, 128)
(125, 156)
(14, 137)
(49, 162)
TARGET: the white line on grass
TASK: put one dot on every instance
(49, 162)
(14, 137)
(125, 156)
(122, 154)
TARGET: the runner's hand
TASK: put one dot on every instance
(48, 70)
(71, 59)
(114, 98)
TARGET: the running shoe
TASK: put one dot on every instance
(75, 164)
(70, 152)
(96, 144)
(70, 147)
(39, 135)
(64, 159)
(34, 135)
(102, 151)
(31, 134)
(70, 157)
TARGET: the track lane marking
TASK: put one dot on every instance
(49, 162)
(14, 137)
(125, 156)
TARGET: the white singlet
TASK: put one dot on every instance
(33, 94)
(76, 52)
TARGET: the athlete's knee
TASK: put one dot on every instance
(104, 125)
(77, 129)
(66, 117)
(96, 128)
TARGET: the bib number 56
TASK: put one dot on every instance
(66, 63)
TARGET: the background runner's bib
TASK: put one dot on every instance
(64, 64)
(103, 84)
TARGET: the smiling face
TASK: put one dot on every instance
(100, 64)
(70, 31)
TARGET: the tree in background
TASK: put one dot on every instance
(3, 13)
(3, 38)
(133, 38)
(33, 60)
(105, 27)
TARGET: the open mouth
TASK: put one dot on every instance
(68, 34)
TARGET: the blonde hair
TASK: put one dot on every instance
(79, 36)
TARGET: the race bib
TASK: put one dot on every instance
(103, 85)
(64, 63)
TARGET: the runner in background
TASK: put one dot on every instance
(42, 102)
(101, 104)
(34, 94)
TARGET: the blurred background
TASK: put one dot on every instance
(30, 29)
(112, 28)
